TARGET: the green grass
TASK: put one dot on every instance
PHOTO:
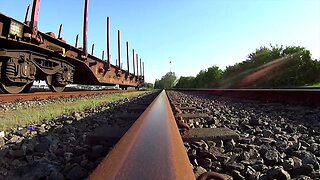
(316, 85)
(22, 117)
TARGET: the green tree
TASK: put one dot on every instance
(208, 78)
(186, 82)
(147, 85)
(295, 67)
(166, 81)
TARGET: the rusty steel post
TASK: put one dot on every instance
(60, 30)
(134, 71)
(140, 68)
(151, 149)
(119, 49)
(127, 45)
(102, 56)
(77, 37)
(27, 14)
(137, 59)
(143, 69)
(85, 28)
(34, 18)
(108, 42)
(92, 49)
(109, 64)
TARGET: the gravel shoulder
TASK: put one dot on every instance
(276, 141)
(59, 148)
(19, 114)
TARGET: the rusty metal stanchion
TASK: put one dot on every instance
(151, 149)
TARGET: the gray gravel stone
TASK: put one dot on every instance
(301, 177)
(229, 145)
(206, 163)
(307, 158)
(278, 173)
(39, 169)
(17, 153)
(297, 162)
(255, 121)
(97, 151)
(237, 175)
(272, 157)
(2, 142)
(267, 133)
(260, 167)
(305, 169)
(288, 164)
(43, 145)
(56, 176)
(234, 166)
(198, 171)
(248, 171)
(77, 172)
(15, 139)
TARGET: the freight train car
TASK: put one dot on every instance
(27, 55)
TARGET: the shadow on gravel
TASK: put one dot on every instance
(69, 147)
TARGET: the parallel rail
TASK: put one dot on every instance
(291, 96)
(54, 95)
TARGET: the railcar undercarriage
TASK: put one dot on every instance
(28, 55)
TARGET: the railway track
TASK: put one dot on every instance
(54, 95)
(216, 148)
(194, 134)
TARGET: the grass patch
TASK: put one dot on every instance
(316, 85)
(22, 117)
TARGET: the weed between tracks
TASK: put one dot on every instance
(23, 117)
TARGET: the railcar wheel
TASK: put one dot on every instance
(16, 75)
(27, 87)
(12, 89)
(54, 86)
(7, 86)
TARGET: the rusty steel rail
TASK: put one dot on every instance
(54, 95)
(151, 149)
(291, 96)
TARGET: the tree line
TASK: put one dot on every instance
(274, 67)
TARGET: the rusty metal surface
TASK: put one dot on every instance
(291, 96)
(134, 69)
(35, 17)
(151, 149)
(89, 69)
(46, 95)
(85, 28)
(119, 50)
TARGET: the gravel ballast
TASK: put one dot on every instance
(276, 141)
(58, 148)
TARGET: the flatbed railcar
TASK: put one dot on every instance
(28, 55)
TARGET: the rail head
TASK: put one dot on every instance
(151, 149)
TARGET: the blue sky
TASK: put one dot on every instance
(194, 35)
